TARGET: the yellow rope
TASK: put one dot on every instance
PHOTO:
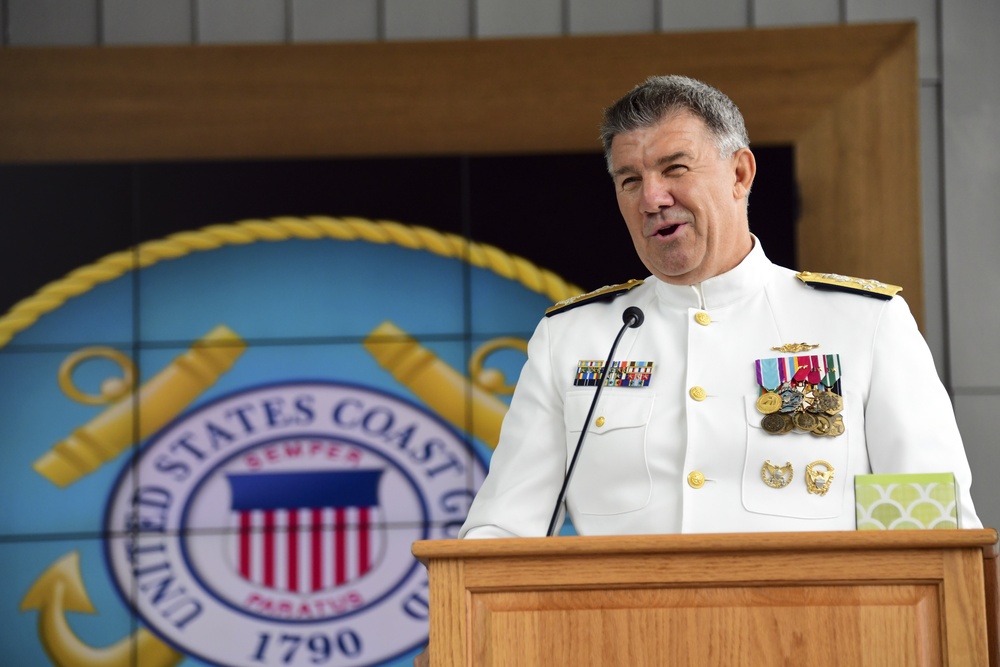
(26, 312)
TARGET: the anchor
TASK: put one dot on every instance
(60, 589)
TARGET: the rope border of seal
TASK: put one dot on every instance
(27, 311)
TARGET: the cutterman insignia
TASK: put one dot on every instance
(837, 282)
(818, 480)
(603, 294)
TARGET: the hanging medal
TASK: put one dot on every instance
(800, 393)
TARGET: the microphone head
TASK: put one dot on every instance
(633, 316)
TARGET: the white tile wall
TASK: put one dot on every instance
(924, 12)
(601, 16)
(971, 163)
(930, 177)
(971, 116)
(427, 19)
(774, 13)
(339, 21)
(677, 15)
(976, 416)
(241, 21)
(518, 18)
(161, 22)
(52, 23)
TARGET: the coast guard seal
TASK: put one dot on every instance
(289, 508)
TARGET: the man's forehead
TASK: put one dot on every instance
(675, 135)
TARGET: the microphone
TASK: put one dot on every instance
(632, 317)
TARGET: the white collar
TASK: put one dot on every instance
(746, 279)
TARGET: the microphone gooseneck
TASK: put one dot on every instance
(632, 317)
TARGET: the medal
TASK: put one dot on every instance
(769, 402)
(801, 393)
(791, 398)
(776, 477)
(776, 423)
(829, 402)
(818, 480)
(804, 421)
(823, 425)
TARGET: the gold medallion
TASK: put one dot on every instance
(829, 402)
(818, 480)
(823, 425)
(776, 477)
(804, 421)
(769, 403)
(776, 423)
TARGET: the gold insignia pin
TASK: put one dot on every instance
(795, 347)
(818, 481)
(776, 477)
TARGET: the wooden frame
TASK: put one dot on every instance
(846, 97)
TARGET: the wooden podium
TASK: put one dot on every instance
(907, 598)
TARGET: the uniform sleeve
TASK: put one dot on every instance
(910, 423)
(526, 470)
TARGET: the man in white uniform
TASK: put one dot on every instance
(750, 396)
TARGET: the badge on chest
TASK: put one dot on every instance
(801, 393)
(620, 373)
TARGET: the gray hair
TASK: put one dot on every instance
(661, 96)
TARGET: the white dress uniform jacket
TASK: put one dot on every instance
(649, 448)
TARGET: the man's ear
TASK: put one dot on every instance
(745, 170)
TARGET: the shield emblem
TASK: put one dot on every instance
(308, 531)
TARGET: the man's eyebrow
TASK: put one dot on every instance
(666, 159)
(624, 170)
(673, 157)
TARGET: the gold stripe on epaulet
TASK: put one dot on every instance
(835, 281)
(606, 292)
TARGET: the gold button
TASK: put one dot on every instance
(600, 422)
(696, 479)
(697, 393)
(703, 318)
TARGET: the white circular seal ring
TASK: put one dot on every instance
(273, 526)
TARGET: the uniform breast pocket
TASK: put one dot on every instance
(784, 474)
(612, 474)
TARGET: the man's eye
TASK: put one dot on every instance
(675, 170)
(629, 182)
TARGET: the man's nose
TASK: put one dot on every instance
(656, 195)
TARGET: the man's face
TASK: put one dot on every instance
(684, 205)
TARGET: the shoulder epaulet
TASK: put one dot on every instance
(835, 281)
(603, 294)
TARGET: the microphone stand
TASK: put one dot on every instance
(633, 318)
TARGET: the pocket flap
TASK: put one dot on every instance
(615, 411)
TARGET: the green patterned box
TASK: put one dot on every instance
(906, 502)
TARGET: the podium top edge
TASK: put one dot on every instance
(828, 541)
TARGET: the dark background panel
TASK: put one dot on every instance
(774, 204)
(58, 217)
(558, 211)
(171, 197)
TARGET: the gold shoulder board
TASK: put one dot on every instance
(603, 294)
(835, 281)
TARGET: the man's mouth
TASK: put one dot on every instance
(667, 231)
